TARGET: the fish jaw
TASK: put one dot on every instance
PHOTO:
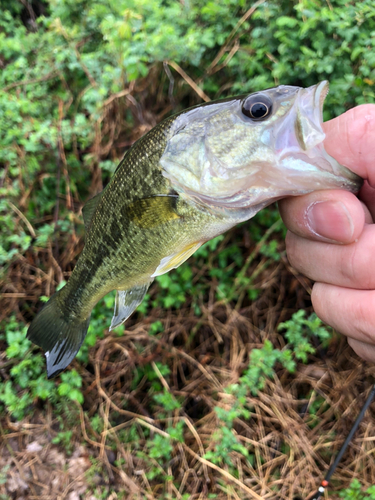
(299, 146)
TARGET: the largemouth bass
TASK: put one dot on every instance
(192, 177)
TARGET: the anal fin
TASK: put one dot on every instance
(126, 302)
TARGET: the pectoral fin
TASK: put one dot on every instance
(154, 211)
(176, 259)
(126, 302)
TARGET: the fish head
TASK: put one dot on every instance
(248, 151)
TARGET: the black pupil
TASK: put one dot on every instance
(258, 110)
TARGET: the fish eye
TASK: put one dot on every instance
(257, 107)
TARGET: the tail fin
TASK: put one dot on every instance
(59, 335)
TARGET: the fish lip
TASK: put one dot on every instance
(309, 123)
(321, 92)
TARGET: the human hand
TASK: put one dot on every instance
(331, 237)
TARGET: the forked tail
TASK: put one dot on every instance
(59, 335)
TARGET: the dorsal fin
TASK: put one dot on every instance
(89, 209)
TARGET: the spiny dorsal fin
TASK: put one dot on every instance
(89, 209)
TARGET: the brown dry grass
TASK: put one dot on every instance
(290, 454)
(205, 354)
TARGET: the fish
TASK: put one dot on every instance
(192, 177)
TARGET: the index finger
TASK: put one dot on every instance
(338, 216)
(350, 138)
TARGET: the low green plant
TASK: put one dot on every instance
(28, 381)
(174, 287)
(355, 492)
(64, 438)
(271, 249)
(156, 327)
(160, 448)
(299, 332)
(225, 443)
(71, 383)
(131, 435)
(153, 377)
(4, 474)
(160, 445)
(167, 401)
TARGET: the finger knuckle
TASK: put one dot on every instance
(364, 315)
(358, 267)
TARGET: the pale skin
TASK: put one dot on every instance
(331, 237)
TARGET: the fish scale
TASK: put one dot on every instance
(192, 177)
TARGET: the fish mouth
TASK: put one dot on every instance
(308, 126)
(310, 134)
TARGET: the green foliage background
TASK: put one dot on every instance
(77, 77)
(60, 70)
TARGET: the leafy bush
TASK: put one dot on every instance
(57, 78)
